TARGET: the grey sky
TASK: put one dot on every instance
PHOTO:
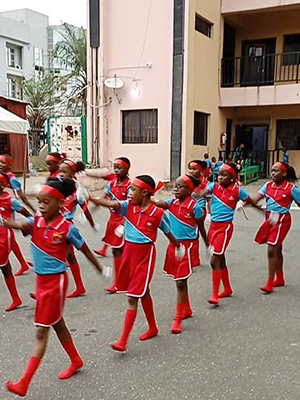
(71, 11)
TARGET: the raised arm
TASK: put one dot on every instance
(161, 204)
(99, 175)
(105, 203)
(24, 199)
(22, 226)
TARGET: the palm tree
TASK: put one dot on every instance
(70, 54)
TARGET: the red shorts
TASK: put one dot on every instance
(274, 234)
(110, 238)
(219, 236)
(136, 268)
(5, 245)
(183, 268)
(51, 293)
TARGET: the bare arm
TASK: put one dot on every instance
(172, 239)
(254, 202)
(105, 203)
(100, 175)
(89, 217)
(25, 212)
(200, 194)
(202, 230)
(161, 204)
(87, 252)
(25, 200)
(22, 226)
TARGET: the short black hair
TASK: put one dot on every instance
(147, 179)
(202, 164)
(291, 173)
(66, 187)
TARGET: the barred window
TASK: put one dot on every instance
(140, 126)
(288, 133)
(200, 128)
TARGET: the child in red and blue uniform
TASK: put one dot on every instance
(15, 189)
(279, 195)
(185, 216)
(8, 206)
(53, 160)
(117, 189)
(142, 220)
(67, 170)
(52, 236)
(225, 195)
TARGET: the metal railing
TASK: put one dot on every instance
(261, 70)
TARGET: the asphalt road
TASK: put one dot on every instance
(247, 348)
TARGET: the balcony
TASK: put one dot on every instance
(261, 80)
(242, 6)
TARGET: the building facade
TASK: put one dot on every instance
(172, 80)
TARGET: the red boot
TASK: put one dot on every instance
(102, 252)
(268, 288)
(176, 327)
(112, 288)
(216, 280)
(21, 387)
(149, 313)
(227, 292)
(121, 344)
(187, 312)
(76, 361)
(279, 281)
(12, 288)
(80, 289)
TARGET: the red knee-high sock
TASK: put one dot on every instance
(21, 387)
(187, 312)
(149, 313)
(80, 289)
(12, 288)
(216, 280)
(227, 292)
(102, 252)
(268, 288)
(17, 252)
(279, 281)
(76, 361)
(113, 287)
(176, 327)
(121, 344)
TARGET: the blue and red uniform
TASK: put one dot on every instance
(115, 191)
(183, 220)
(279, 200)
(70, 205)
(224, 201)
(8, 206)
(139, 255)
(202, 200)
(50, 246)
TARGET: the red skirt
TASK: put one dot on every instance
(5, 245)
(274, 235)
(219, 236)
(182, 268)
(136, 269)
(110, 238)
(51, 293)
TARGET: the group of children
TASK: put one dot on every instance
(131, 232)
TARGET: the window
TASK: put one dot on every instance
(288, 133)
(140, 126)
(291, 49)
(203, 26)
(10, 57)
(200, 128)
(11, 87)
(38, 57)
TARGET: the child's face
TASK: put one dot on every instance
(4, 166)
(181, 190)
(195, 172)
(136, 194)
(65, 171)
(52, 166)
(48, 205)
(277, 174)
(120, 171)
(224, 178)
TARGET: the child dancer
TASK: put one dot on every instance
(116, 189)
(53, 160)
(186, 215)
(15, 185)
(279, 195)
(8, 206)
(67, 170)
(51, 237)
(225, 195)
(142, 219)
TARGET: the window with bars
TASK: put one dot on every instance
(10, 57)
(140, 126)
(288, 133)
(200, 128)
(11, 87)
(203, 26)
(291, 49)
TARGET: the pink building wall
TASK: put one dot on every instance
(132, 34)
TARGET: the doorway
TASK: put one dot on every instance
(255, 140)
(258, 62)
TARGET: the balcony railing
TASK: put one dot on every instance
(261, 70)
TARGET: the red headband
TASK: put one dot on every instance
(52, 192)
(142, 185)
(6, 159)
(187, 180)
(281, 166)
(228, 168)
(3, 180)
(50, 157)
(197, 166)
(122, 162)
(71, 164)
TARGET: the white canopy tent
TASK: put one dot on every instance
(11, 123)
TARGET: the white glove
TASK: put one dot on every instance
(107, 271)
(239, 205)
(180, 251)
(82, 195)
(273, 218)
(208, 218)
(97, 227)
(119, 231)
(209, 251)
